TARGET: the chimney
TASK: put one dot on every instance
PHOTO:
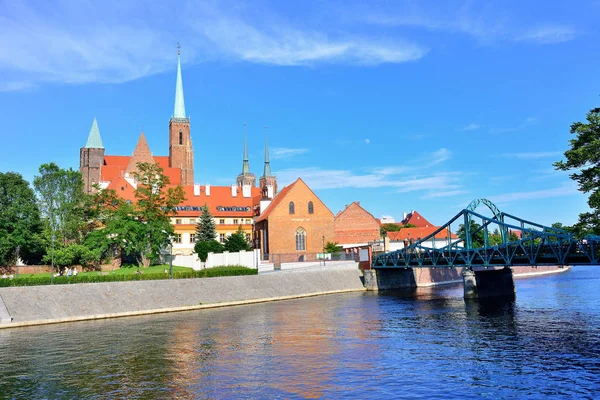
(403, 216)
(233, 191)
(207, 190)
(196, 190)
(246, 191)
(270, 192)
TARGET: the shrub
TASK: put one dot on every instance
(203, 248)
(230, 270)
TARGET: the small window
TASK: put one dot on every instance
(311, 209)
(248, 222)
(180, 137)
(192, 221)
(221, 221)
(222, 238)
(178, 221)
(192, 238)
(300, 239)
(177, 238)
(292, 209)
(235, 221)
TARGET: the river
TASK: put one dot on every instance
(429, 344)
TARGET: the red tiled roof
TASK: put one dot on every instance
(276, 201)
(419, 233)
(220, 196)
(415, 219)
(115, 166)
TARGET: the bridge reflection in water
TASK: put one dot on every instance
(486, 266)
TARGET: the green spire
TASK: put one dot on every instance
(267, 171)
(246, 166)
(94, 141)
(179, 103)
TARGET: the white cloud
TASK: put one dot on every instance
(440, 156)
(423, 163)
(442, 193)
(469, 127)
(533, 155)
(548, 34)
(563, 190)
(54, 43)
(285, 152)
(525, 124)
(367, 141)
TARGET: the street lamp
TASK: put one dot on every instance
(52, 265)
(323, 250)
(384, 236)
(170, 257)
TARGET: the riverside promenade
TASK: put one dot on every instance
(37, 305)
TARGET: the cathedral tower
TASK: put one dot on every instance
(268, 181)
(91, 159)
(246, 178)
(181, 153)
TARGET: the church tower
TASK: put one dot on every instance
(91, 159)
(181, 153)
(268, 182)
(246, 178)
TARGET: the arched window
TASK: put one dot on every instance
(292, 209)
(180, 137)
(300, 239)
(311, 209)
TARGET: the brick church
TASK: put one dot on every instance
(294, 222)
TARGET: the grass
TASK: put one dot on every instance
(127, 269)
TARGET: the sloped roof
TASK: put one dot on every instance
(282, 193)
(415, 219)
(115, 167)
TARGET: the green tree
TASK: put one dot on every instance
(583, 160)
(20, 223)
(389, 227)
(156, 202)
(332, 247)
(203, 248)
(205, 228)
(477, 239)
(237, 241)
(62, 200)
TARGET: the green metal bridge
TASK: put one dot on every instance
(538, 245)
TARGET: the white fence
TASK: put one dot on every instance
(248, 259)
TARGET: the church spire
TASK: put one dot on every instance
(267, 171)
(179, 103)
(94, 141)
(246, 165)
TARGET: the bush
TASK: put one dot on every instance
(203, 248)
(230, 270)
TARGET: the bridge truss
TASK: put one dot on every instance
(538, 244)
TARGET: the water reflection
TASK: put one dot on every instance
(427, 343)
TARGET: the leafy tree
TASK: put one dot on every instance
(205, 228)
(203, 248)
(477, 239)
(62, 200)
(332, 247)
(583, 159)
(389, 227)
(237, 241)
(20, 223)
(155, 204)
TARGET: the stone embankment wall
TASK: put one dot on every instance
(63, 303)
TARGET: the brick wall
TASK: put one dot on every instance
(181, 155)
(283, 225)
(355, 225)
(90, 165)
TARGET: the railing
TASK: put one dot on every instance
(311, 257)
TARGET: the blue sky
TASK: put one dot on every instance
(400, 105)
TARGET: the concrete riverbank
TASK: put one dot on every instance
(35, 305)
